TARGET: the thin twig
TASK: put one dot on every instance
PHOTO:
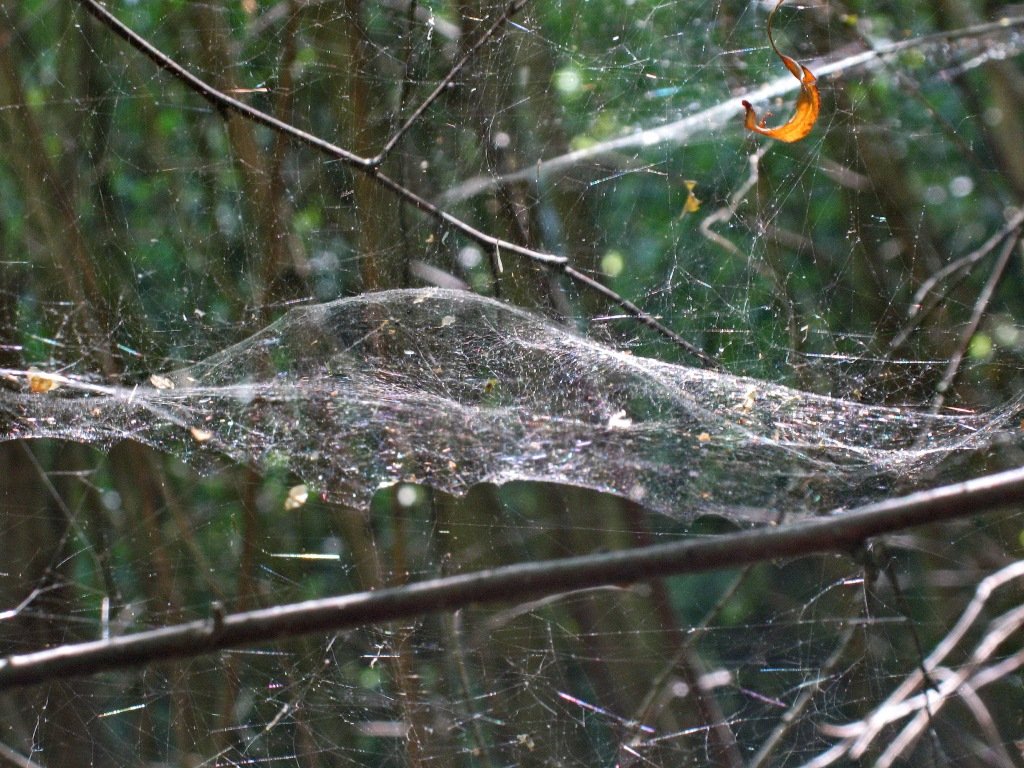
(917, 311)
(222, 101)
(728, 211)
(842, 531)
(447, 80)
(980, 306)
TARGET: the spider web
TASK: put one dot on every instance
(241, 372)
(452, 389)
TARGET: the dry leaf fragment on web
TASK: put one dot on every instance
(161, 382)
(808, 104)
(298, 495)
(40, 382)
(692, 204)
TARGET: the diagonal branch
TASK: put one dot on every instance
(842, 531)
(223, 101)
(977, 313)
(446, 81)
(687, 129)
(919, 310)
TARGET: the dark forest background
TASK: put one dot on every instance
(142, 229)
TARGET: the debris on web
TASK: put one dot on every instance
(452, 389)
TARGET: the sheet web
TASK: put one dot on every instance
(452, 389)
(241, 370)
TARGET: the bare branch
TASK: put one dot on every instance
(9, 756)
(918, 311)
(223, 101)
(905, 700)
(977, 313)
(843, 531)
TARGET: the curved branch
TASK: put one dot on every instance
(843, 531)
(368, 166)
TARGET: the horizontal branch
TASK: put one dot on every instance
(842, 531)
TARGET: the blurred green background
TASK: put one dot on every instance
(142, 230)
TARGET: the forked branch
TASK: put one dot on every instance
(918, 702)
(370, 167)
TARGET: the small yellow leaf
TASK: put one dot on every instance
(692, 204)
(40, 382)
(748, 401)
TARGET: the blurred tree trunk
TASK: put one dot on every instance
(37, 578)
(490, 107)
(50, 201)
(996, 94)
(356, 105)
(273, 252)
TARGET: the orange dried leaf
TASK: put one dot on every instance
(808, 104)
(40, 382)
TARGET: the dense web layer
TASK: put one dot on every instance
(245, 262)
(454, 389)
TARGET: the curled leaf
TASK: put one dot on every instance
(808, 104)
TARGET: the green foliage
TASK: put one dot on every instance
(142, 229)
